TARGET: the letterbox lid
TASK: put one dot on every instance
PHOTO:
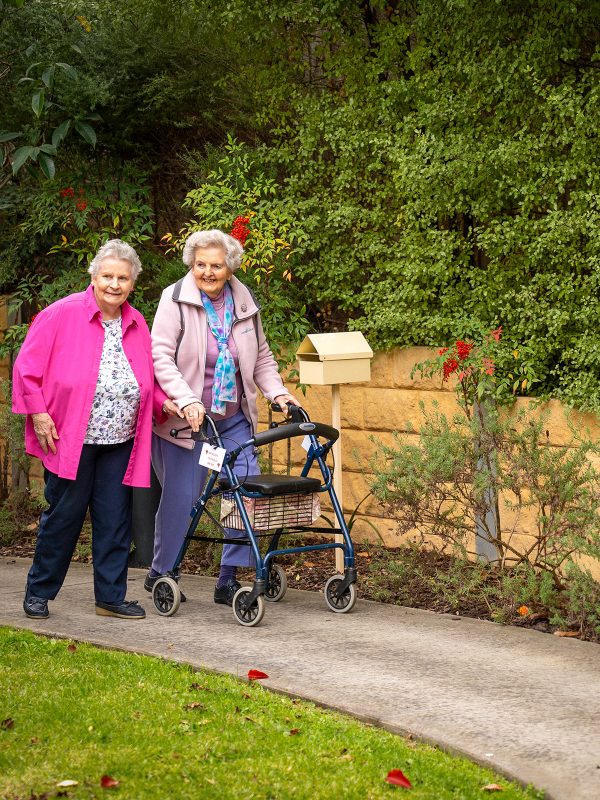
(334, 346)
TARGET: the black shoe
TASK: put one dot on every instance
(128, 609)
(35, 607)
(224, 594)
(150, 580)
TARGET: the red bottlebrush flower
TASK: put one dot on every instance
(31, 320)
(496, 334)
(81, 205)
(240, 229)
(450, 366)
(463, 349)
(67, 192)
(442, 351)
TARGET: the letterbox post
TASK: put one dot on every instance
(333, 359)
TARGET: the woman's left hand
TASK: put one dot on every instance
(284, 400)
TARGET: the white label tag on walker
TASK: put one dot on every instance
(212, 457)
(305, 443)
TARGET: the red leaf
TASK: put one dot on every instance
(7, 724)
(397, 778)
(71, 648)
(256, 675)
(294, 731)
(106, 782)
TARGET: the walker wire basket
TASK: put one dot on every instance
(268, 513)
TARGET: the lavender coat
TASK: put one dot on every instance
(180, 355)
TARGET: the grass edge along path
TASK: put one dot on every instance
(70, 711)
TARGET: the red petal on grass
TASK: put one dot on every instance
(7, 724)
(397, 778)
(256, 675)
(493, 787)
(71, 648)
(106, 782)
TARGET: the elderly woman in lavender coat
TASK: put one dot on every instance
(210, 355)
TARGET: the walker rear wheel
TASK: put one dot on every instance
(166, 595)
(276, 584)
(248, 616)
(340, 603)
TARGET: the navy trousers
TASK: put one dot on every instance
(98, 486)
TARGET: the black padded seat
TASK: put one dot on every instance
(271, 485)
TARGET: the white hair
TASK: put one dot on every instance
(116, 248)
(214, 238)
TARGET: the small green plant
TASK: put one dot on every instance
(470, 474)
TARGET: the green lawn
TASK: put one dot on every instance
(70, 711)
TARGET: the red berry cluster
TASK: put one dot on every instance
(240, 229)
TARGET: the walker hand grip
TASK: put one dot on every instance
(296, 413)
(295, 429)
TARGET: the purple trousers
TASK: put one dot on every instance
(182, 480)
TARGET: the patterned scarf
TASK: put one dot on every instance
(224, 386)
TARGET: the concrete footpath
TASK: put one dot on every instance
(523, 702)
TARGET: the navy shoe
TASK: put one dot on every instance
(128, 609)
(224, 594)
(151, 580)
(35, 607)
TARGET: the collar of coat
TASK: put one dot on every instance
(243, 299)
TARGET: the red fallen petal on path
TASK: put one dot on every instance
(106, 782)
(256, 675)
(397, 778)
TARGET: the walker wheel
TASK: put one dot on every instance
(276, 584)
(167, 596)
(249, 617)
(343, 603)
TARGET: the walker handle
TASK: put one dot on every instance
(297, 413)
(295, 429)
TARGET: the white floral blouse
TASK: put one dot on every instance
(117, 399)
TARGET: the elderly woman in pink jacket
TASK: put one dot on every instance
(210, 355)
(84, 378)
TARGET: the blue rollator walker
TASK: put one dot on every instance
(279, 504)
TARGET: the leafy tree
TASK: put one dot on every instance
(444, 156)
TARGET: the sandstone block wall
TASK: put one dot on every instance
(391, 402)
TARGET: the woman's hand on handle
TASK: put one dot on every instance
(172, 409)
(194, 414)
(45, 430)
(283, 400)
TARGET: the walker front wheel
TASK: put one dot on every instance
(340, 603)
(166, 595)
(276, 584)
(248, 615)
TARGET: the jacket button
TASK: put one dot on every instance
(244, 307)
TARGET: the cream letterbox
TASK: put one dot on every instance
(334, 358)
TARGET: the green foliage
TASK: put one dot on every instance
(237, 186)
(486, 469)
(442, 159)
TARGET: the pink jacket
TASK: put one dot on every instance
(179, 335)
(57, 369)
